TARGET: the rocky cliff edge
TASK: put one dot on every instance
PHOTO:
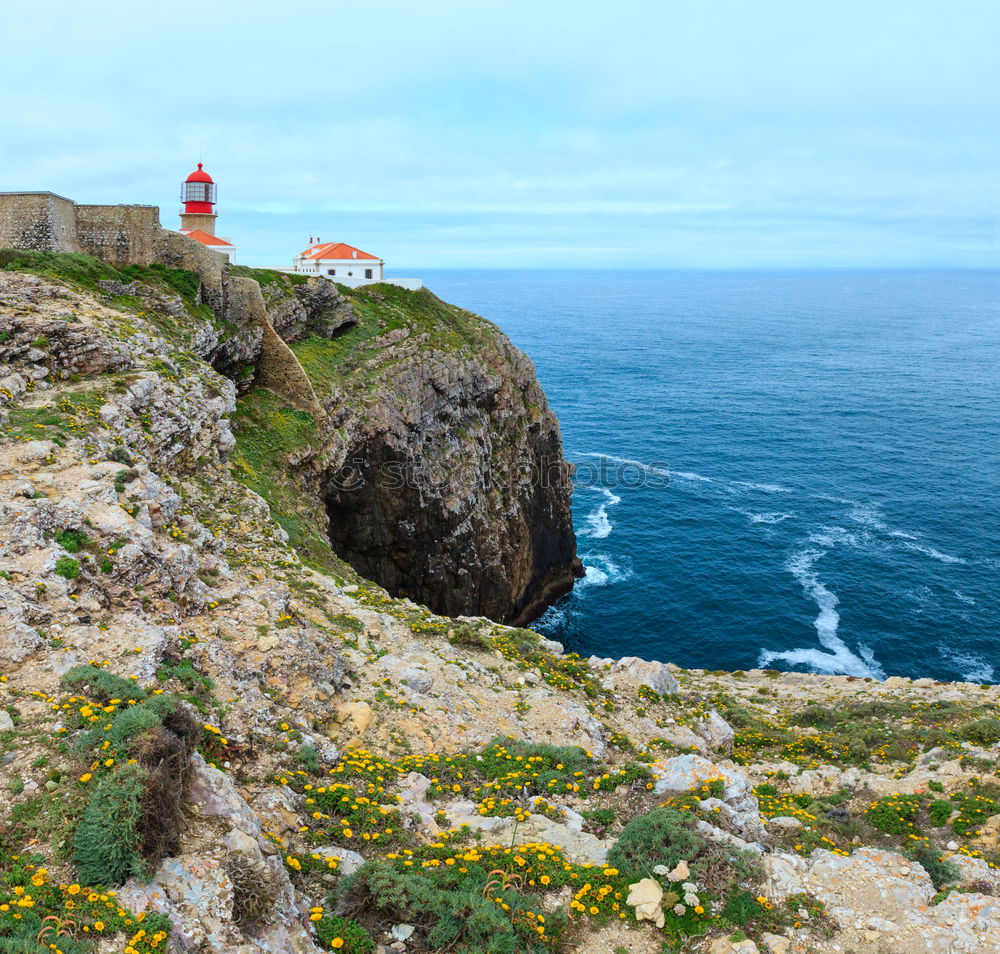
(212, 741)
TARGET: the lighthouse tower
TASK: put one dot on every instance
(199, 195)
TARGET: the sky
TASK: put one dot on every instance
(544, 134)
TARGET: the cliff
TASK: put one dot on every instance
(444, 479)
(217, 736)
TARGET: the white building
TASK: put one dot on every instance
(347, 265)
(341, 262)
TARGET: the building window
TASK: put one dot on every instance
(368, 273)
(331, 271)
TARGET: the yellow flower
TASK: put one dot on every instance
(337, 942)
(73, 889)
(86, 777)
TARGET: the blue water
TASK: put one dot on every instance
(815, 469)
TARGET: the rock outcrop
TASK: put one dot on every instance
(485, 791)
(441, 468)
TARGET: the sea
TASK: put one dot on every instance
(791, 470)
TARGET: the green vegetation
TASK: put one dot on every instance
(662, 836)
(268, 276)
(356, 940)
(68, 567)
(66, 918)
(101, 684)
(381, 309)
(72, 540)
(268, 432)
(82, 270)
(72, 414)
(460, 915)
(105, 846)
(864, 732)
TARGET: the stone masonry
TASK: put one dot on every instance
(132, 235)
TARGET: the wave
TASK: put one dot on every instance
(764, 488)
(731, 486)
(971, 667)
(837, 659)
(870, 515)
(600, 570)
(767, 518)
(934, 554)
(598, 524)
(962, 598)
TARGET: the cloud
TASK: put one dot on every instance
(516, 133)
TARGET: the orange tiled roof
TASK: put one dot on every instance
(336, 250)
(200, 236)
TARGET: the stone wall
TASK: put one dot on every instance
(39, 221)
(178, 251)
(132, 235)
(118, 234)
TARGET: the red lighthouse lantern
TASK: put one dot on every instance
(199, 195)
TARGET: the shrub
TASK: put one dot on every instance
(660, 837)
(740, 908)
(105, 845)
(356, 939)
(72, 540)
(68, 567)
(254, 890)
(982, 731)
(940, 811)
(941, 872)
(894, 814)
(101, 683)
(308, 758)
(452, 906)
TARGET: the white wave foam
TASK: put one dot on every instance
(767, 518)
(829, 537)
(934, 554)
(765, 488)
(972, 667)
(552, 620)
(598, 523)
(600, 570)
(733, 486)
(630, 462)
(961, 597)
(838, 659)
(870, 516)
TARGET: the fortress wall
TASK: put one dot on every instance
(131, 235)
(178, 251)
(39, 221)
(118, 234)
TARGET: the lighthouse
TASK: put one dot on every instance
(199, 195)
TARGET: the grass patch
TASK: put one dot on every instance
(268, 432)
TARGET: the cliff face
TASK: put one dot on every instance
(442, 474)
(446, 481)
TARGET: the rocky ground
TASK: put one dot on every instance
(208, 744)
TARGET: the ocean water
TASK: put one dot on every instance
(797, 470)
